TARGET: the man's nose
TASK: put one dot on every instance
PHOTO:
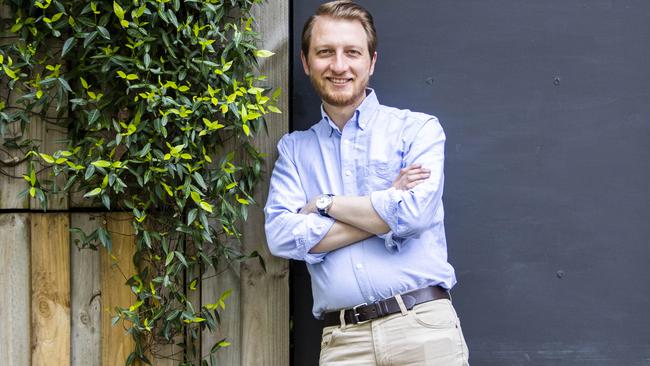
(339, 64)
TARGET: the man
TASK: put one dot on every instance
(359, 198)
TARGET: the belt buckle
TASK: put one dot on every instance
(355, 315)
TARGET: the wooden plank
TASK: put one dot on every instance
(5, 11)
(265, 296)
(116, 344)
(167, 355)
(86, 294)
(213, 285)
(193, 350)
(50, 273)
(14, 287)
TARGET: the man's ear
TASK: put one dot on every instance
(305, 65)
(372, 63)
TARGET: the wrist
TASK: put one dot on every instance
(324, 203)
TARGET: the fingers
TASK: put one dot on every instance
(406, 170)
(410, 176)
(414, 183)
(417, 176)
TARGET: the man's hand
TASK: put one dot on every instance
(411, 176)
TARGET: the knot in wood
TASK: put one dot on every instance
(44, 308)
(84, 318)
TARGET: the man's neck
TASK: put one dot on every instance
(341, 115)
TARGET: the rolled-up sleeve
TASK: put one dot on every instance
(409, 212)
(288, 233)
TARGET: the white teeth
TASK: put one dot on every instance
(339, 81)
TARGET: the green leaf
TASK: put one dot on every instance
(104, 32)
(93, 193)
(199, 180)
(104, 238)
(65, 84)
(206, 206)
(9, 72)
(191, 216)
(263, 53)
(106, 201)
(69, 43)
(180, 257)
(101, 163)
(119, 12)
(93, 116)
(47, 158)
(146, 60)
(56, 17)
(147, 238)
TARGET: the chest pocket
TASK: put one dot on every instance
(381, 174)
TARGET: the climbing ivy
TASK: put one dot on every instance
(161, 100)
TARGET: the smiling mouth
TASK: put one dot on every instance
(339, 81)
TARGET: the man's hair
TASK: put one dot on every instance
(342, 9)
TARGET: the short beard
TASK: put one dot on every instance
(336, 100)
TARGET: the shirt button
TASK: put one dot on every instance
(371, 298)
(347, 142)
(359, 266)
(348, 172)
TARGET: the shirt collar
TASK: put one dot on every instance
(362, 115)
(367, 109)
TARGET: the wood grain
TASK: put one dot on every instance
(50, 274)
(15, 288)
(116, 268)
(265, 296)
(86, 294)
(230, 327)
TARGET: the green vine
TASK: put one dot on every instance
(161, 100)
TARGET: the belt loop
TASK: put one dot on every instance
(342, 318)
(400, 302)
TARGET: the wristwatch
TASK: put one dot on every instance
(323, 204)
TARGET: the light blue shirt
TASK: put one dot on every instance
(363, 160)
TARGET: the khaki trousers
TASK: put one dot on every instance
(428, 335)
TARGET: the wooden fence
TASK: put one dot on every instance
(56, 300)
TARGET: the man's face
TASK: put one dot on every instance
(339, 64)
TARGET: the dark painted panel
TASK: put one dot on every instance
(547, 114)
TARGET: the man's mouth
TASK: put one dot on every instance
(339, 81)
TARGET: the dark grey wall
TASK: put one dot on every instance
(547, 114)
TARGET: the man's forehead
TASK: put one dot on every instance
(328, 30)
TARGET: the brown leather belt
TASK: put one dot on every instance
(366, 312)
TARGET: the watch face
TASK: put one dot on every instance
(323, 201)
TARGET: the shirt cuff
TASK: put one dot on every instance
(311, 233)
(385, 203)
(392, 243)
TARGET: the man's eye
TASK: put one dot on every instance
(325, 52)
(354, 53)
